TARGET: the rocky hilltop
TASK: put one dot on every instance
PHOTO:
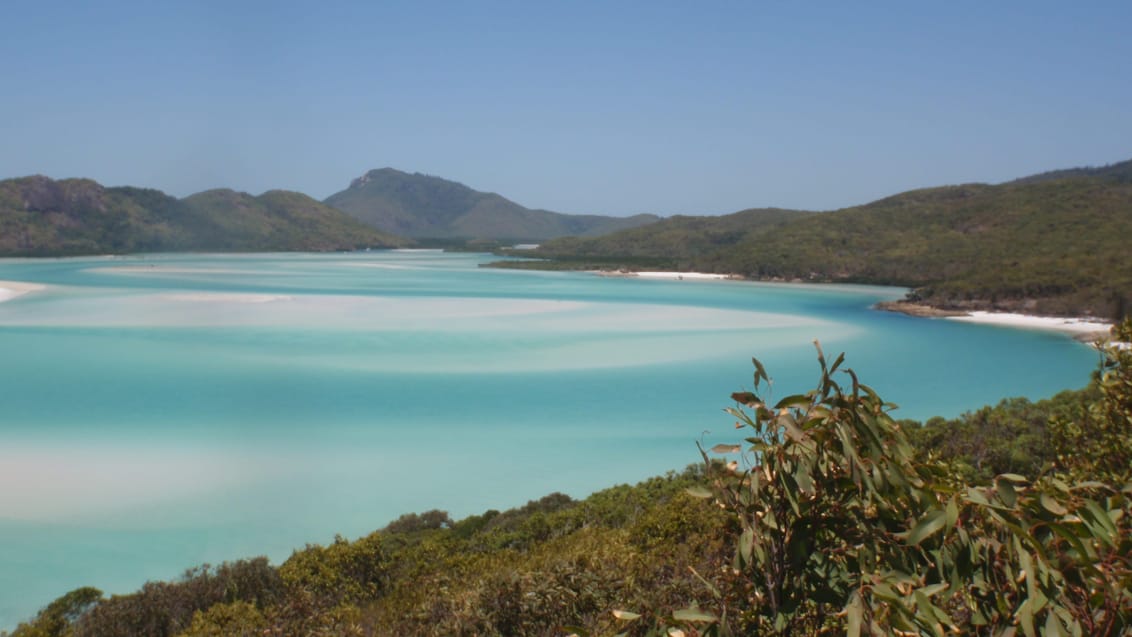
(427, 207)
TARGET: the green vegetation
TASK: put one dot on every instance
(828, 517)
(1052, 244)
(1014, 436)
(845, 531)
(44, 217)
(678, 242)
(426, 207)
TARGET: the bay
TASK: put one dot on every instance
(163, 411)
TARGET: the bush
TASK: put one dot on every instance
(842, 531)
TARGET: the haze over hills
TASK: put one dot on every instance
(427, 207)
(1055, 243)
(40, 216)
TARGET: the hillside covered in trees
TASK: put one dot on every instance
(428, 207)
(1055, 243)
(834, 520)
(40, 216)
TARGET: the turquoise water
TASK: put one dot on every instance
(158, 412)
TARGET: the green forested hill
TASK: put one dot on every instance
(284, 220)
(1120, 171)
(422, 206)
(1056, 245)
(680, 241)
(40, 216)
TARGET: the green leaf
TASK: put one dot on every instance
(1026, 619)
(693, 615)
(928, 525)
(805, 482)
(933, 589)
(746, 544)
(723, 448)
(1108, 532)
(1006, 492)
(975, 495)
(699, 492)
(745, 398)
(931, 612)
(797, 400)
(1051, 505)
(854, 614)
(760, 372)
(1054, 627)
(793, 431)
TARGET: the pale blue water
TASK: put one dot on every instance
(159, 412)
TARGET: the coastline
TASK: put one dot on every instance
(1084, 329)
(669, 276)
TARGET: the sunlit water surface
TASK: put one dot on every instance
(158, 412)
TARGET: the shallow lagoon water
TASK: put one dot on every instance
(161, 411)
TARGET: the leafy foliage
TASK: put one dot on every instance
(844, 532)
(167, 608)
(1013, 436)
(57, 619)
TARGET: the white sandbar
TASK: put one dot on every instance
(11, 289)
(676, 276)
(1069, 325)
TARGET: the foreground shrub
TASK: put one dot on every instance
(843, 531)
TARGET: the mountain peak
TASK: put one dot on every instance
(429, 207)
(375, 174)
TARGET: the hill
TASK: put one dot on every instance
(1120, 171)
(426, 207)
(1049, 244)
(40, 216)
(678, 242)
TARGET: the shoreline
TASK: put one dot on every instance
(1084, 329)
(669, 276)
(1087, 330)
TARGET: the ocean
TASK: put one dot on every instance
(158, 412)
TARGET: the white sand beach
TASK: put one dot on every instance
(1079, 326)
(674, 276)
(11, 289)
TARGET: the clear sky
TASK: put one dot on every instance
(597, 107)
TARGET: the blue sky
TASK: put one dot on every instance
(603, 107)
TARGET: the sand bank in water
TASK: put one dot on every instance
(11, 289)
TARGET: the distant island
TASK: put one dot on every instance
(1055, 243)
